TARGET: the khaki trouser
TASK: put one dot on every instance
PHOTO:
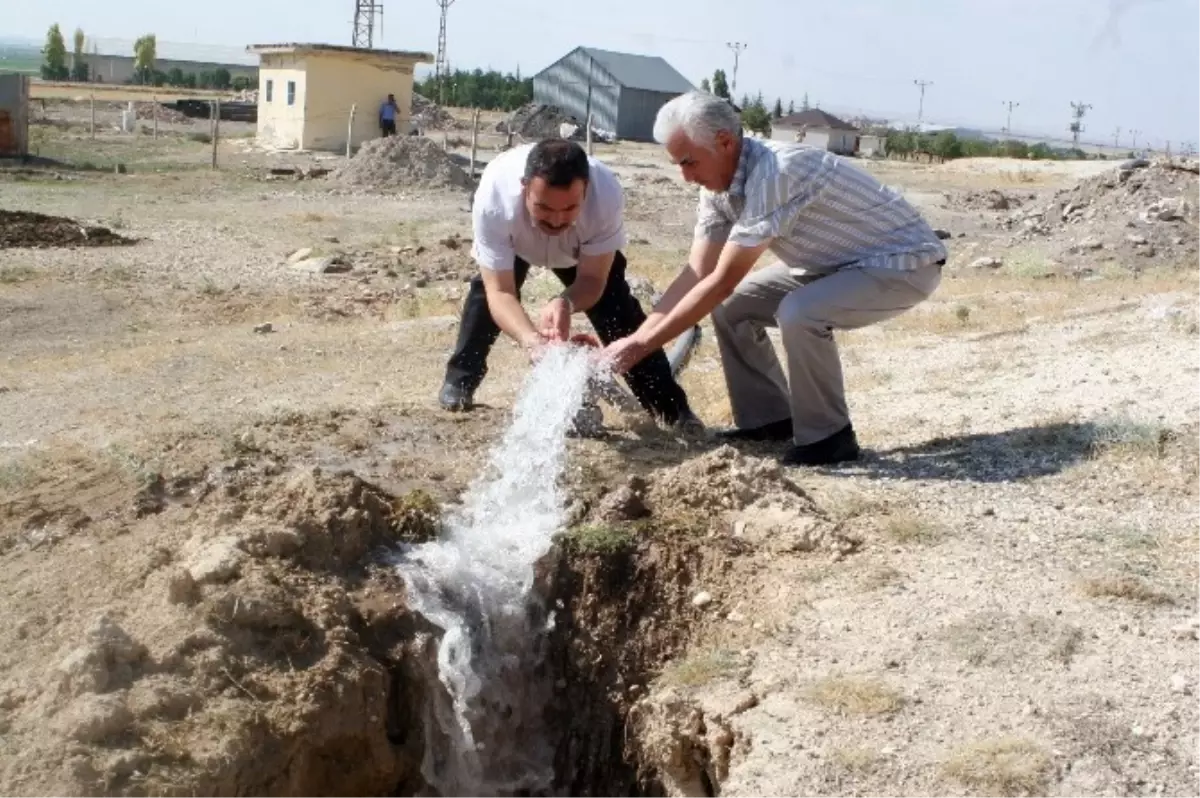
(806, 307)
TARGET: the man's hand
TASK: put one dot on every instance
(556, 319)
(534, 345)
(624, 353)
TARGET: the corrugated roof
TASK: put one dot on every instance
(813, 117)
(647, 72)
(171, 51)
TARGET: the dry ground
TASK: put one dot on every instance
(1017, 615)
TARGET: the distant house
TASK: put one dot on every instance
(306, 92)
(622, 91)
(816, 128)
(111, 60)
(871, 145)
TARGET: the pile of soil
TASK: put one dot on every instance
(1143, 210)
(993, 200)
(410, 162)
(537, 121)
(164, 114)
(428, 115)
(28, 229)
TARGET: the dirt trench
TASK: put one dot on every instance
(251, 641)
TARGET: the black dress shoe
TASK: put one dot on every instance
(456, 399)
(840, 447)
(775, 431)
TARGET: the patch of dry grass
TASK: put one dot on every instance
(10, 275)
(855, 695)
(881, 577)
(700, 668)
(1002, 766)
(907, 527)
(1126, 438)
(1000, 640)
(1126, 588)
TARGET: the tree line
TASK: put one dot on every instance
(145, 72)
(490, 90)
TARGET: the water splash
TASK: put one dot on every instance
(484, 732)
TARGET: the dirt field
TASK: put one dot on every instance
(208, 437)
(41, 90)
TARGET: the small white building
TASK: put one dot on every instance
(306, 93)
(816, 128)
(872, 146)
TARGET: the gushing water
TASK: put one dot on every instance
(484, 732)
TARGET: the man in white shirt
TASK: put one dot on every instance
(549, 204)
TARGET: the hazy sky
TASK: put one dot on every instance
(1137, 62)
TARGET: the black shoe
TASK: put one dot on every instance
(840, 447)
(456, 399)
(775, 431)
(688, 423)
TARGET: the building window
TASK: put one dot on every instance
(270, 89)
(291, 92)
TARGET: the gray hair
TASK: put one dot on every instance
(700, 115)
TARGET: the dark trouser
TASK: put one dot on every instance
(387, 127)
(615, 315)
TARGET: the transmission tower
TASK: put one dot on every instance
(439, 67)
(737, 48)
(1008, 125)
(921, 106)
(364, 23)
(1077, 111)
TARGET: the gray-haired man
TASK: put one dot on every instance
(850, 251)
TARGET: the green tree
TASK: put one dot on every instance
(1014, 149)
(791, 107)
(242, 83)
(900, 144)
(79, 67)
(491, 90)
(54, 65)
(720, 86)
(221, 78)
(746, 102)
(189, 80)
(145, 53)
(756, 118)
(175, 77)
(778, 112)
(705, 86)
(946, 146)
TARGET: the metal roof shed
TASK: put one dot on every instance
(623, 91)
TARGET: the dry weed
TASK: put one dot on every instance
(907, 527)
(700, 668)
(881, 577)
(1126, 587)
(1126, 438)
(10, 275)
(1004, 766)
(854, 695)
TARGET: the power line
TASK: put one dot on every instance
(737, 48)
(1076, 127)
(439, 68)
(1008, 124)
(921, 105)
(364, 23)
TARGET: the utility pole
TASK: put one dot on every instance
(1008, 124)
(1076, 127)
(921, 106)
(364, 23)
(439, 68)
(1133, 134)
(737, 48)
(1117, 138)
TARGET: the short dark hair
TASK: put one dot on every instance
(557, 161)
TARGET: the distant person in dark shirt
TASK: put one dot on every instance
(387, 116)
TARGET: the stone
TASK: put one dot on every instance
(265, 327)
(218, 561)
(1187, 631)
(330, 239)
(623, 504)
(1180, 684)
(323, 265)
(299, 255)
(987, 263)
(943, 234)
(702, 599)
(1137, 239)
(1091, 243)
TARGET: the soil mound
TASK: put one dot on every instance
(28, 229)
(1142, 210)
(411, 162)
(428, 115)
(723, 479)
(538, 121)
